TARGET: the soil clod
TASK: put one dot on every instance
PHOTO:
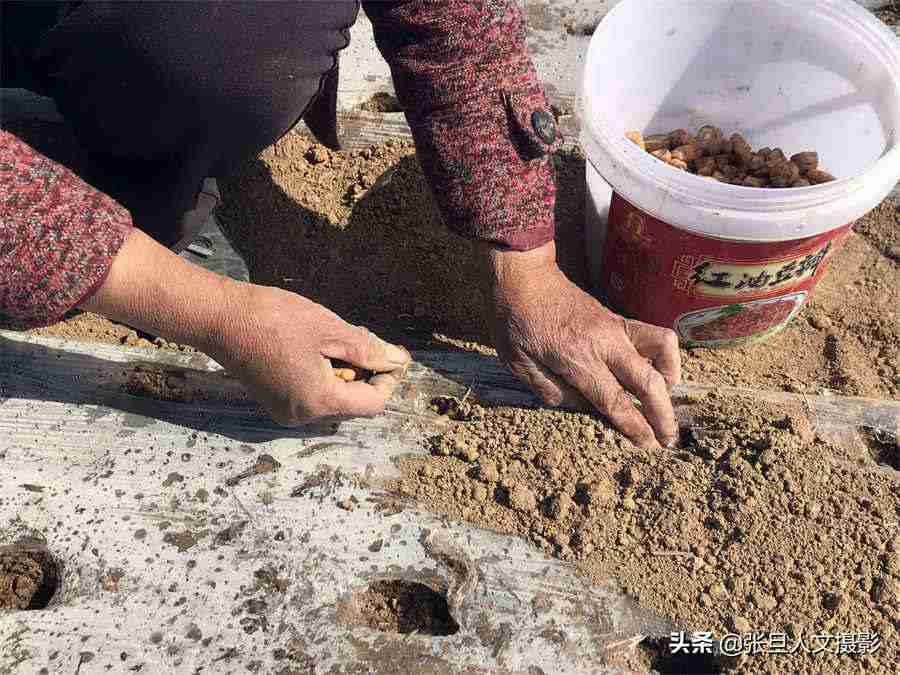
(29, 578)
(398, 606)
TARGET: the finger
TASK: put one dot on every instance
(361, 399)
(639, 377)
(386, 383)
(602, 389)
(660, 345)
(361, 347)
(552, 389)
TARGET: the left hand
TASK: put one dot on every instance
(568, 347)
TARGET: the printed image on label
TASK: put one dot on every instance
(739, 322)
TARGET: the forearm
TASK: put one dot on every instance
(152, 289)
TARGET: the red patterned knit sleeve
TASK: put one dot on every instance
(58, 236)
(479, 117)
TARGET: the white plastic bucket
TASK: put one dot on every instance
(819, 75)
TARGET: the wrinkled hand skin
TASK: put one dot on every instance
(282, 353)
(572, 351)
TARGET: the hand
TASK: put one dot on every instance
(568, 347)
(278, 343)
(281, 353)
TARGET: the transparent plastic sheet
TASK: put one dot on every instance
(516, 608)
(839, 419)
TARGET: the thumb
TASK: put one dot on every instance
(363, 399)
(359, 399)
(362, 348)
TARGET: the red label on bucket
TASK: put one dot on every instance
(712, 292)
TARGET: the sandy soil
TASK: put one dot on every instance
(755, 524)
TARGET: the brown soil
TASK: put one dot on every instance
(28, 579)
(358, 232)
(158, 384)
(754, 524)
(382, 102)
(88, 327)
(184, 540)
(397, 606)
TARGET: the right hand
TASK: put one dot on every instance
(573, 351)
(281, 351)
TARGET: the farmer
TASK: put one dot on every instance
(163, 96)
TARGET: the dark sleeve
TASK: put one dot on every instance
(58, 236)
(479, 117)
